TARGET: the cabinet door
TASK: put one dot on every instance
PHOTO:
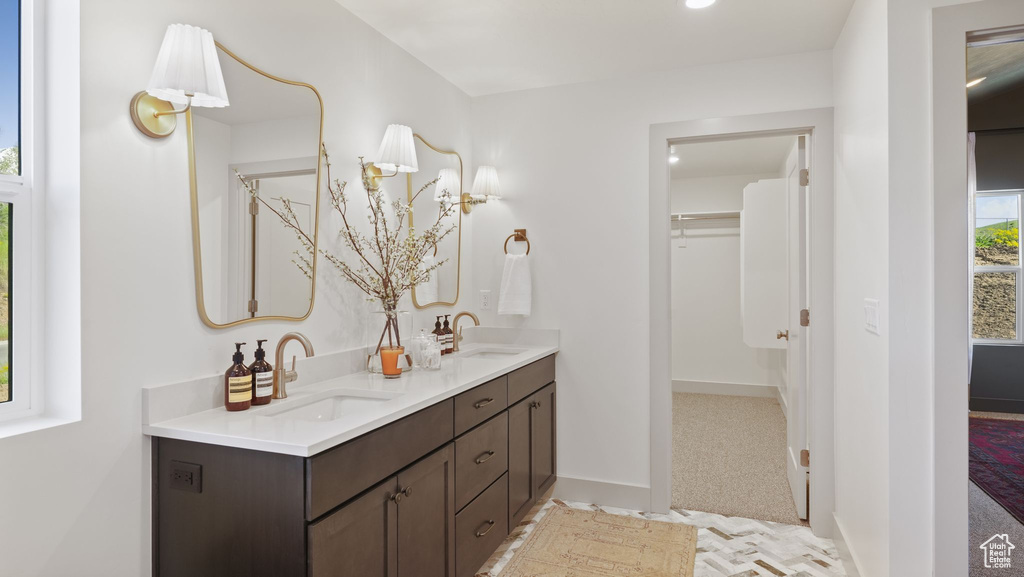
(542, 447)
(358, 540)
(426, 517)
(520, 475)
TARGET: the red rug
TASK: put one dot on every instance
(997, 461)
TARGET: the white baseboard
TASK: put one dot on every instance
(620, 495)
(780, 395)
(846, 555)
(732, 389)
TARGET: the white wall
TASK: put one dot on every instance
(862, 271)
(707, 329)
(76, 498)
(574, 166)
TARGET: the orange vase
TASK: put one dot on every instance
(389, 361)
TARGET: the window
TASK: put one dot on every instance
(997, 267)
(15, 204)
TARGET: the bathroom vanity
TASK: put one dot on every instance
(422, 476)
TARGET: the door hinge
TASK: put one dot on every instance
(254, 306)
(805, 458)
(805, 177)
(254, 207)
(805, 318)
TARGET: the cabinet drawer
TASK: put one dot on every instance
(481, 403)
(337, 475)
(481, 456)
(480, 528)
(522, 382)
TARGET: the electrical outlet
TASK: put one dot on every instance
(871, 316)
(186, 477)
(485, 300)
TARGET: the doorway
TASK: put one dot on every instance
(995, 183)
(955, 237)
(816, 126)
(739, 257)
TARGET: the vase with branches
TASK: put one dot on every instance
(387, 259)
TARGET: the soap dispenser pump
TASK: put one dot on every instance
(262, 376)
(237, 383)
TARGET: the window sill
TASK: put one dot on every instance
(15, 427)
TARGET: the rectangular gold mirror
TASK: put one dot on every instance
(446, 166)
(249, 163)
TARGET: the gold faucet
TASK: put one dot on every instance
(281, 376)
(457, 330)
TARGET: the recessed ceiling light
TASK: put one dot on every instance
(699, 3)
(673, 159)
(976, 82)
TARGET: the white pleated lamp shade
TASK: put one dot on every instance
(485, 185)
(397, 150)
(188, 65)
(448, 185)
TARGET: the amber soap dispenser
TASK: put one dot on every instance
(238, 383)
(262, 376)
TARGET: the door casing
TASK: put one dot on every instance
(818, 123)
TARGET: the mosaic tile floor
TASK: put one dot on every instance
(726, 546)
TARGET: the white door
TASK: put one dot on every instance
(764, 284)
(796, 353)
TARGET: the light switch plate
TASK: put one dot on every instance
(485, 300)
(871, 316)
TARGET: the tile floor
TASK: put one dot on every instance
(726, 546)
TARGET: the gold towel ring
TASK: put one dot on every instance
(518, 237)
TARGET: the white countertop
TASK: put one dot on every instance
(256, 429)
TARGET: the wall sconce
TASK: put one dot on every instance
(187, 72)
(485, 187)
(448, 185)
(397, 153)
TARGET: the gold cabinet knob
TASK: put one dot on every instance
(782, 335)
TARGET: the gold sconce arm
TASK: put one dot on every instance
(468, 202)
(167, 112)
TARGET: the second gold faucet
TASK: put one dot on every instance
(457, 330)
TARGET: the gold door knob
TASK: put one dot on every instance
(782, 335)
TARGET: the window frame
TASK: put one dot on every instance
(26, 397)
(1018, 270)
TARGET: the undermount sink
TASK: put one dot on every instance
(491, 352)
(330, 406)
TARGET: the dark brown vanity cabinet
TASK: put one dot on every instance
(430, 495)
(531, 452)
(403, 527)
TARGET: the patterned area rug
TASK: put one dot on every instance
(997, 462)
(571, 542)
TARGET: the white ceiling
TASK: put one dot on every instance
(489, 46)
(762, 155)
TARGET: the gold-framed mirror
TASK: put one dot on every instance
(249, 163)
(442, 290)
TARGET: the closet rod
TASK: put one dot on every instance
(683, 216)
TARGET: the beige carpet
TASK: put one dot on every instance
(584, 543)
(729, 457)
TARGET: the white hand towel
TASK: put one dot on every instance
(515, 297)
(426, 291)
